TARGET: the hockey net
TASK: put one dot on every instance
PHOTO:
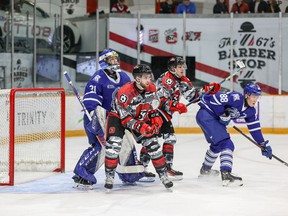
(32, 135)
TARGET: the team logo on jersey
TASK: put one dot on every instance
(169, 81)
(123, 98)
(97, 77)
(236, 97)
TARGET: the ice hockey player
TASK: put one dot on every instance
(170, 86)
(134, 108)
(214, 115)
(98, 92)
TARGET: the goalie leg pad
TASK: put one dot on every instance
(130, 177)
(132, 161)
(86, 166)
(92, 139)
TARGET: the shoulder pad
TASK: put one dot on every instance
(125, 94)
(151, 88)
(185, 79)
(168, 81)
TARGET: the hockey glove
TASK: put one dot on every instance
(225, 120)
(178, 107)
(267, 150)
(215, 87)
(232, 112)
(94, 126)
(147, 130)
(156, 120)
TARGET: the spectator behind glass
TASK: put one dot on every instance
(258, 6)
(286, 9)
(168, 7)
(120, 7)
(240, 7)
(273, 7)
(220, 7)
(187, 6)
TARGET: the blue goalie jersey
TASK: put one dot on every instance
(233, 104)
(99, 89)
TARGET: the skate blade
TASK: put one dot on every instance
(207, 176)
(129, 183)
(83, 187)
(236, 183)
(169, 189)
(175, 178)
(108, 191)
(147, 179)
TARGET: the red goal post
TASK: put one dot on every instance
(32, 135)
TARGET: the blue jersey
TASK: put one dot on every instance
(233, 104)
(99, 89)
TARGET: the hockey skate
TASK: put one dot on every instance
(229, 179)
(148, 176)
(206, 172)
(173, 175)
(166, 182)
(109, 181)
(82, 183)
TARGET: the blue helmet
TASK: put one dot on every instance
(252, 88)
(104, 58)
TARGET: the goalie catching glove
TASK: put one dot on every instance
(266, 149)
(212, 88)
(177, 107)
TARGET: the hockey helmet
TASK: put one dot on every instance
(104, 60)
(252, 88)
(174, 61)
(140, 69)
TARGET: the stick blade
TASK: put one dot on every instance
(240, 64)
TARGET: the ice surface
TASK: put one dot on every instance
(265, 190)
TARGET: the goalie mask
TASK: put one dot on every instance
(109, 59)
(143, 75)
(177, 66)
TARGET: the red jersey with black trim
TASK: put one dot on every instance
(170, 88)
(132, 105)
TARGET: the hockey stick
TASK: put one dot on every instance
(259, 146)
(239, 63)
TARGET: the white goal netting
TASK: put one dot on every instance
(32, 131)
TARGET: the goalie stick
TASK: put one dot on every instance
(259, 146)
(239, 63)
(101, 139)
